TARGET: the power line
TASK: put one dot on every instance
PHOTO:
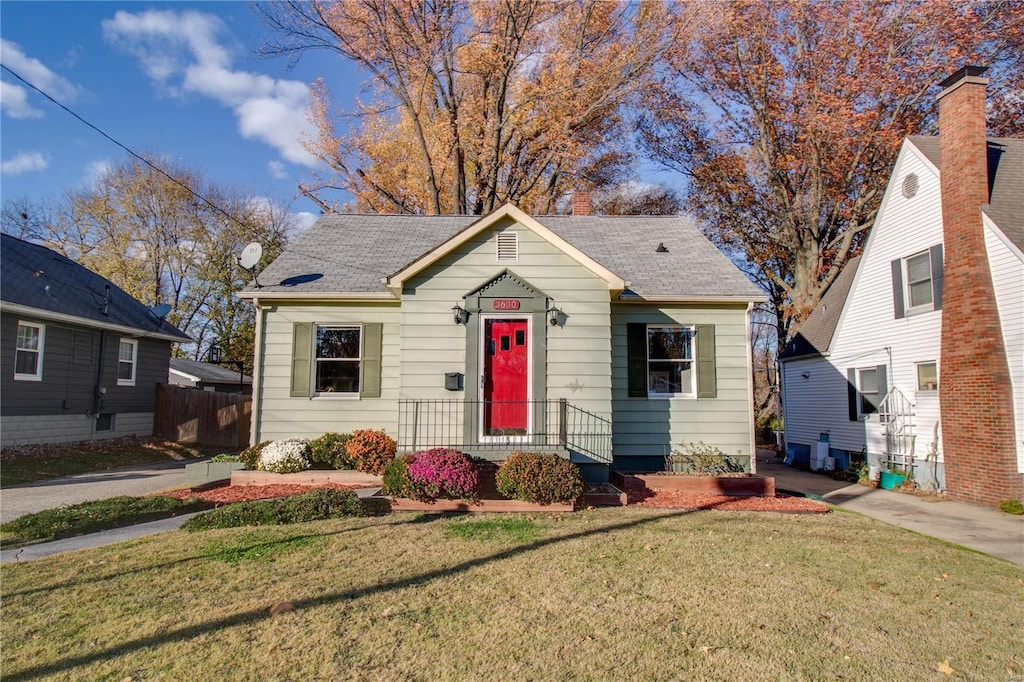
(141, 158)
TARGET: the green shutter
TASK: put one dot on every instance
(369, 368)
(302, 350)
(707, 370)
(636, 353)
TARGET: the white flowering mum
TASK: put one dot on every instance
(286, 456)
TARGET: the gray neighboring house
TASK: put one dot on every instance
(208, 376)
(609, 340)
(80, 357)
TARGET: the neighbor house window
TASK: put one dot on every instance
(28, 353)
(670, 361)
(127, 359)
(337, 359)
(919, 282)
(867, 386)
(927, 376)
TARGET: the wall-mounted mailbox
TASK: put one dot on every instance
(453, 381)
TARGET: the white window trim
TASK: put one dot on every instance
(917, 383)
(38, 376)
(330, 395)
(135, 362)
(693, 362)
(860, 393)
(924, 307)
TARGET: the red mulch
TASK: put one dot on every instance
(642, 498)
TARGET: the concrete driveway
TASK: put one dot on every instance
(134, 480)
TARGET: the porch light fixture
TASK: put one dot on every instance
(553, 316)
(214, 355)
(460, 314)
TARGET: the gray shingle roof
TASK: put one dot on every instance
(1005, 181)
(209, 372)
(34, 276)
(815, 335)
(351, 253)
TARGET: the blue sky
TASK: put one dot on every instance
(181, 79)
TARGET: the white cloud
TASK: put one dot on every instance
(180, 52)
(276, 170)
(305, 220)
(95, 171)
(24, 162)
(14, 97)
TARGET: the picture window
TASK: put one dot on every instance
(670, 366)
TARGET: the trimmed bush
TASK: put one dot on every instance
(287, 456)
(315, 505)
(250, 457)
(396, 477)
(370, 451)
(224, 457)
(443, 473)
(540, 478)
(328, 451)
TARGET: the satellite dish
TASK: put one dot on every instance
(160, 311)
(251, 255)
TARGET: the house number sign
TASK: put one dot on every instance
(506, 304)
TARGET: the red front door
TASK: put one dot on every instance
(506, 372)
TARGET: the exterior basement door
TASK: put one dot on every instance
(506, 377)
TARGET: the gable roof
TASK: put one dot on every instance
(1005, 181)
(207, 372)
(816, 333)
(35, 280)
(349, 255)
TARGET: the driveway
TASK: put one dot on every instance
(135, 480)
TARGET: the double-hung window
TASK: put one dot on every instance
(127, 361)
(919, 282)
(867, 386)
(927, 376)
(28, 353)
(337, 359)
(670, 361)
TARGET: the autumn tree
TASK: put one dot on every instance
(637, 198)
(166, 240)
(787, 116)
(477, 103)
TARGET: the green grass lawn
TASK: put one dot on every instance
(608, 594)
(38, 463)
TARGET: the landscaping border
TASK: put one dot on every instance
(750, 485)
(407, 504)
(311, 477)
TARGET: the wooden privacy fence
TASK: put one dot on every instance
(188, 415)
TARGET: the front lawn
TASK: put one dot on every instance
(602, 594)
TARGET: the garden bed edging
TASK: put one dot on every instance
(750, 485)
(311, 477)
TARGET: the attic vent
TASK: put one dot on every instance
(910, 185)
(508, 247)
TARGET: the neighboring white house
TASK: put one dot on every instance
(599, 337)
(877, 331)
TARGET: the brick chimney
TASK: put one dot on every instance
(975, 393)
(581, 202)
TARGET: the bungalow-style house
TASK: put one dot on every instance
(609, 340)
(80, 358)
(208, 376)
(916, 353)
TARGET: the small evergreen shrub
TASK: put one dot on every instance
(315, 505)
(328, 451)
(370, 451)
(703, 459)
(250, 457)
(224, 457)
(443, 473)
(396, 477)
(540, 478)
(287, 456)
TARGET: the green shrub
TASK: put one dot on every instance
(370, 451)
(224, 457)
(328, 451)
(250, 457)
(540, 478)
(396, 477)
(315, 505)
(700, 458)
(1011, 506)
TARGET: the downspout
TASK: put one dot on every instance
(257, 376)
(97, 389)
(750, 390)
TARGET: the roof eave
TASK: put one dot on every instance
(17, 308)
(337, 296)
(682, 298)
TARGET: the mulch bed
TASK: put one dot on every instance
(659, 500)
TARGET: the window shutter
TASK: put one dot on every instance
(707, 370)
(636, 351)
(302, 350)
(369, 368)
(851, 393)
(897, 289)
(936, 256)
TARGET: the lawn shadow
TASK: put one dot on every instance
(252, 615)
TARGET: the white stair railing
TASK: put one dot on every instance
(896, 413)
